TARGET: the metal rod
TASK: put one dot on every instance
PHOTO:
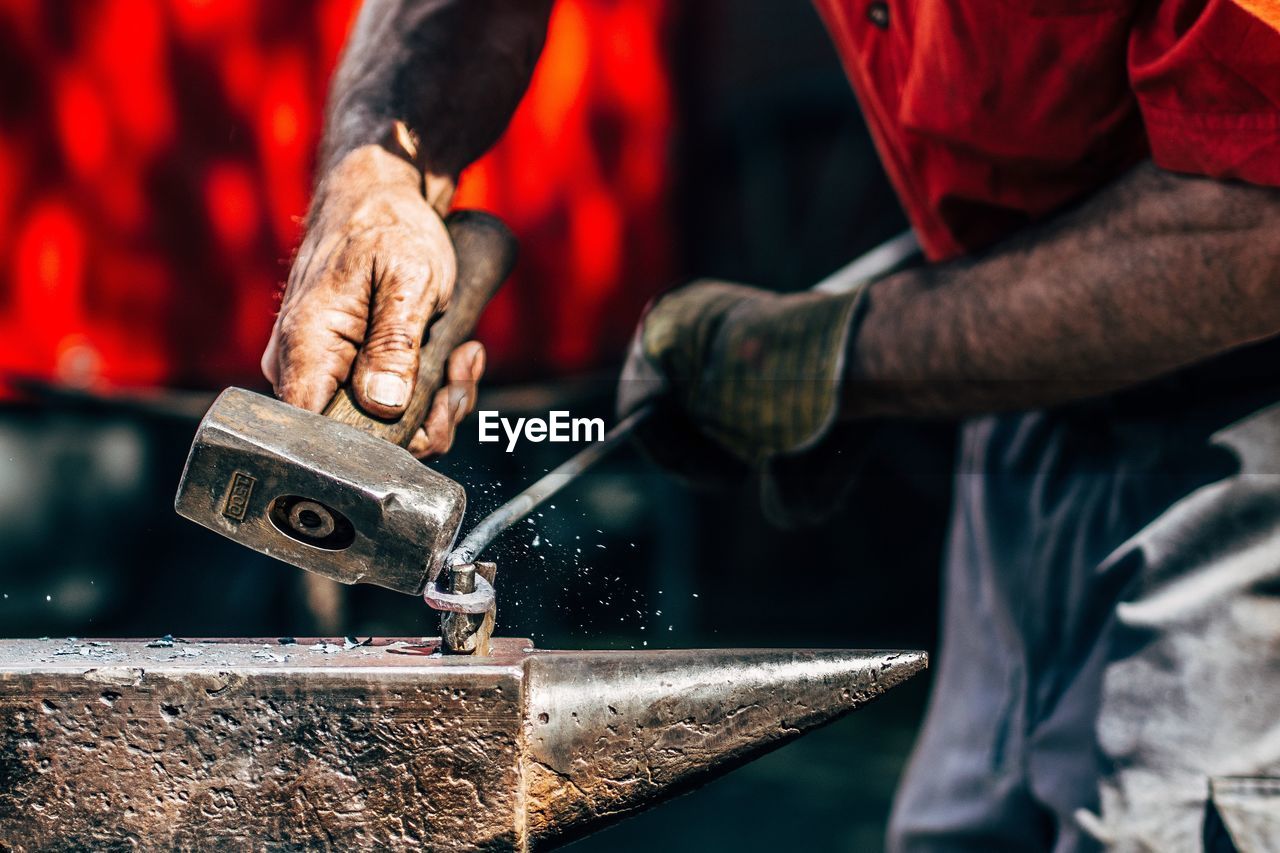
(871, 265)
(527, 501)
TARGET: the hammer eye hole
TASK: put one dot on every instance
(311, 522)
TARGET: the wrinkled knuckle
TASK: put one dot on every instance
(447, 270)
(351, 266)
(361, 253)
(373, 243)
(437, 283)
(390, 343)
(292, 389)
(306, 318)
(293, 326)
(406, 276)
(445, 264)
(370, 213)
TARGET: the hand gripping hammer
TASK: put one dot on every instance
(337, 494)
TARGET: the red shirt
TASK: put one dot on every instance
(989, 114)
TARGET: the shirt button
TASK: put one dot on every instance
(878, 14)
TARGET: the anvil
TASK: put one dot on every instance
(250, 744)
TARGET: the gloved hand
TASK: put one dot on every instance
(737, 375)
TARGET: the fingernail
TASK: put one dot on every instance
(386, 389)
(457, 403)
(477, 360)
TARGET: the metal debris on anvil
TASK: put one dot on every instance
(88, 649)
(265, 653)
(369, 748)
(165, 642)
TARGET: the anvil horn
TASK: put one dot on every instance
(210, 744)
(612, 733)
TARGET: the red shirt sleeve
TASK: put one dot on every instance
(1207, 79)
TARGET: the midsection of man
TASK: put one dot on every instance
(1111, 558)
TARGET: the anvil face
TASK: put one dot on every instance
(239, 743)
(319, 494)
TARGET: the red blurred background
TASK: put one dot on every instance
(156, 158)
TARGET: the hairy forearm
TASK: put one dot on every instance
(451, 72)
(423, 88)
(1155, 272)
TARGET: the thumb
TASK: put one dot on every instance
(386, 367)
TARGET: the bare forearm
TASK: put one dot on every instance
(423, 88)
(1155, 272)
(451, 71)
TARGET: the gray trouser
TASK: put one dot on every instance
(1109, 675)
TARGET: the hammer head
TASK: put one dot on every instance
(319, 494)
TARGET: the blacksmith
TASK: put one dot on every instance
(1095, 186)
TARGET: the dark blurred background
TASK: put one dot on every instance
(155, 157)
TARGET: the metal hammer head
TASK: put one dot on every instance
(319, 494)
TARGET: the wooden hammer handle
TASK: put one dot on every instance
(486, 252)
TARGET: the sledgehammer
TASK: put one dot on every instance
(337, 494)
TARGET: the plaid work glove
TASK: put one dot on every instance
(737, 376)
